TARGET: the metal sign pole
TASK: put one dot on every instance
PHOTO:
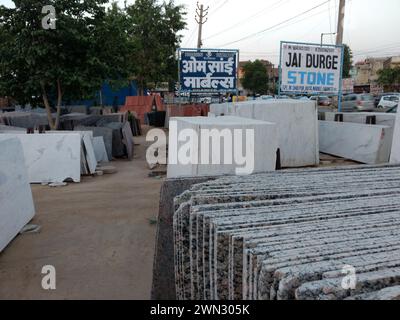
(341, 82)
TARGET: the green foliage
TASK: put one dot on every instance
(255, 77)
(153, 35)
(389, 78)
(347, 61)
(88, 46)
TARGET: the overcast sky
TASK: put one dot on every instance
(372, 27)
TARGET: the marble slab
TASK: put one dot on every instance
(262, 149)
(16, 202)
(89, 153)
(100, 149)
(50, 157)
(296, 123)
(370, 144)
(395, 155)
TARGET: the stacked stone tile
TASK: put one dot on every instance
(288, 235)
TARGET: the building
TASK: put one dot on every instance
(367, 71)
(272, 71)
(392, 62)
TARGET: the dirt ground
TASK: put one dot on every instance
(99, 235)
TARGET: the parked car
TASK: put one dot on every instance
(358, 103)
(392, 109)
(389, 101)
(301, 98)
(323, 101)
(378, 97)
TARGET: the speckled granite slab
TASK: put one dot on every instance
(268, 236)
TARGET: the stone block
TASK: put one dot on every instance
(370, 144)
(16, 202)
(258, 140)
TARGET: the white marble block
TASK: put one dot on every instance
(50, 157)
(395, 156)
(16, 203)
(296, 121)
(255, 140)
(369, 144)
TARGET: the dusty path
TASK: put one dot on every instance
(96, 234)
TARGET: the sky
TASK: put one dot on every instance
(256, 27)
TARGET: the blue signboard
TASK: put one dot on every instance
(208, 70)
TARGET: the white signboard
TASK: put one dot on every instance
(311, 68)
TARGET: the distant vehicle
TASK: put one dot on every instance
(266, 97)
(301, 98)
(392, 109)
(323, 101)
(389, 101)
(378, 97)
(358, 103)
(282, 97)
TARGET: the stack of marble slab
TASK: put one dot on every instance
(290, 235)
(255, 141)
(16, 202)
(296, 121)
(24, 119)
(57, 156)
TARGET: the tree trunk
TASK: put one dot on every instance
(47, 106)
(59, 101)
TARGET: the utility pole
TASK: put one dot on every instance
(340, 26)
(201, 14)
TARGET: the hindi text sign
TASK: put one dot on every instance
(208, 70)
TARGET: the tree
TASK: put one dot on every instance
(347, 61)
(68, 62)
(255, 77)
(154, 38)
(389, 78)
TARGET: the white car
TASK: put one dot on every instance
(389, 101)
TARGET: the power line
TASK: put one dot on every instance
(218, 8)
(276, 25)
(244, 21)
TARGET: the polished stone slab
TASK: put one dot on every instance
(257, 139)
(268, 236)
(100, 149)
(296, 123)
(50, 157)
(16, 202)
(370, 144)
